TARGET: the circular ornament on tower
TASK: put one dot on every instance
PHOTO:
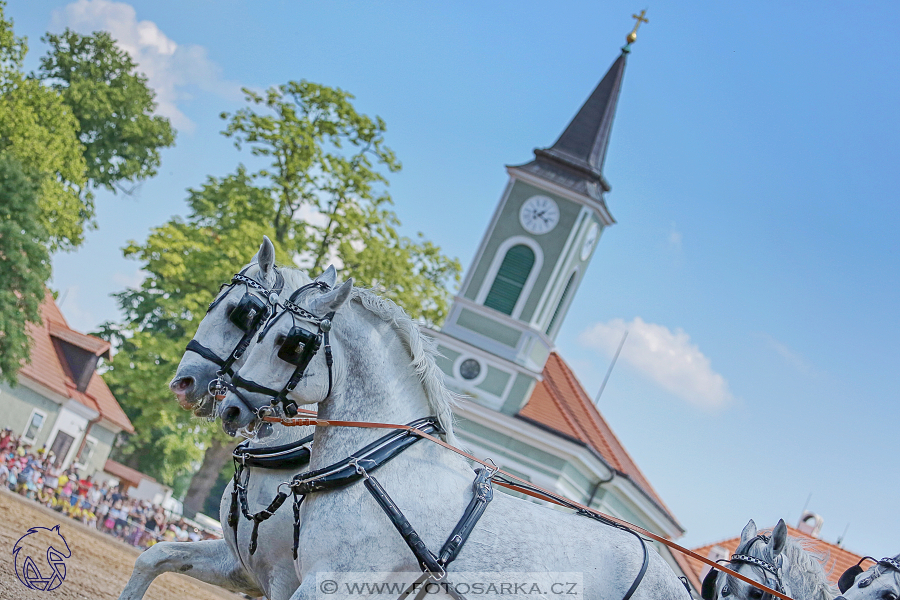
(539, 215)
(470, 369)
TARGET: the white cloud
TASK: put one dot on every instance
(668, 358)
(171, 68)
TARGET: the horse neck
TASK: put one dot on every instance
(377, 385)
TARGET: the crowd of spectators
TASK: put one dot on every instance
(99, 505)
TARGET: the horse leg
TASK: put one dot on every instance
(209, 561)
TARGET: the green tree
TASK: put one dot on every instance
(112, 103)
(327, 164)
(41, 168)
(321, 199)
(83, 121)
(24, 262)
(185, 260)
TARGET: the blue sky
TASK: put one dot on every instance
(753, 165)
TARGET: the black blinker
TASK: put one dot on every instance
(299, 347)
(849, 576)
(708, 589)
(249, 313)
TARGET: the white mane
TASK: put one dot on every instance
(422, 351)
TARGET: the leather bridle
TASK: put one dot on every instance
(740, 556)
(249, 314)
(848, 578)
(298, 349)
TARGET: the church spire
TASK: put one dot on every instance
(575, 161)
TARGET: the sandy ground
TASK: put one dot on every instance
(98, 568)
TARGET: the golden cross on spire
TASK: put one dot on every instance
(640, 19)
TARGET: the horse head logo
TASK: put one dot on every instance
(40, 558)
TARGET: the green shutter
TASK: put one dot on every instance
(510, 279)
(562, 301)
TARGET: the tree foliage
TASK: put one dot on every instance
(83, 121)
(320, 196)
(24, 262)
(185, 260)
(112, 103)
(326, 183)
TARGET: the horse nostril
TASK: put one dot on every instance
(182, 384)
(232, 413)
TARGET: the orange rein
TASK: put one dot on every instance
(544, 495)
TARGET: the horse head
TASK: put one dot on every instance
(232, 321)
(292, 360)
(776, 561)
(880, 582)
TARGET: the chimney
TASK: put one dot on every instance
(810, 524)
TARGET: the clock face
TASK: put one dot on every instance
(589, 240)
(539, 215)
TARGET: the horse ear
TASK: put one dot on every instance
(266, 258)
(708, 589)
(332, 301)
(779, 538)
(849, 578)
(329, 277)
(748, 533)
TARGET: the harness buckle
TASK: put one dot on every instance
(437, 577)
(359, 469)
(492, 467)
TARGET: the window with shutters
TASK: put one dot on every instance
(562, 303)
(510, 279)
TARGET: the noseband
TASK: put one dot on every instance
(249, 314)
(298, 349)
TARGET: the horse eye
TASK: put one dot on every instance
(889, 595)
(726, 591)
(279, 339)
(229, 308)
(755, 593)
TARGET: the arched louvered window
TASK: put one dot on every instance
(562, 303)
(510, 279)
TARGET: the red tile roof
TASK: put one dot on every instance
(48, 367)
(125, 474)
(837, 559)
(560, 403)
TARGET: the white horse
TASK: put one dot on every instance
(384, 371)
(777, 561)
(228, 563)
(880, 582)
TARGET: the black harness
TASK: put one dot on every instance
(299, 347)
(849, 577)
(287, 456)
(249, 314)
(708, 588)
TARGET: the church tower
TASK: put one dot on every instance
(502, 325)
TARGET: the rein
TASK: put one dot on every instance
(510, 481)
